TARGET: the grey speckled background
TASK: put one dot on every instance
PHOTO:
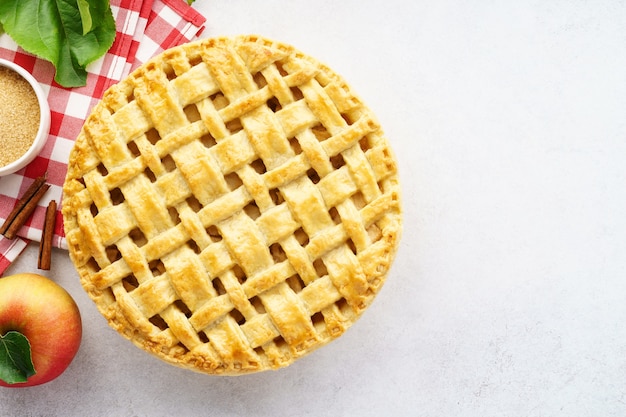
(507, 296)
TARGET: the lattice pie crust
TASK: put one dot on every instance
(232, 205)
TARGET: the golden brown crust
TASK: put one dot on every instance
(232, 205)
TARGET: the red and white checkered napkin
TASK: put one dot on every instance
(144, 28)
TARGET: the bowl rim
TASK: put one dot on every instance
(44, 120)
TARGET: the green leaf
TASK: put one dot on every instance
(16, 364)
(69, 33)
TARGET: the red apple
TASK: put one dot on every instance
(47, 316)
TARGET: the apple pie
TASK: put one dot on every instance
(232, 205)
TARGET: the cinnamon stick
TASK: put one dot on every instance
(45, 245)
(24, 208)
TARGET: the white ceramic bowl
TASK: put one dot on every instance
(44, 121)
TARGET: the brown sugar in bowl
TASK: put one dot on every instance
(24, 117)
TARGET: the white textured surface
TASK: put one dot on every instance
(507, 297)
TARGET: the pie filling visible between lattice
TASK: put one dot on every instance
(232, 205)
